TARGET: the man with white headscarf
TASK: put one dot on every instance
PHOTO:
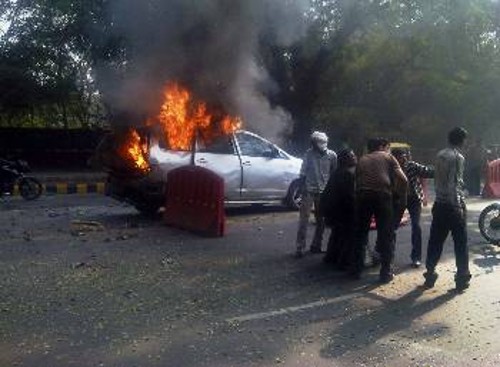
(319, 162)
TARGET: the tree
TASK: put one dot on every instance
(46, 65)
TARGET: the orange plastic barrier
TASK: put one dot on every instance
(195, 201)
(492, 187)
(404, 221)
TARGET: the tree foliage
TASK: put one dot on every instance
(405, 69)
(45, 65)
(408, 69)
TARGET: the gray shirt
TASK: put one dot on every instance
(449, 177)
(316, 168)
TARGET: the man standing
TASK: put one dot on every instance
(317, 166)
(449, 211)
(415, 172)
(378, 175)
(337, 207)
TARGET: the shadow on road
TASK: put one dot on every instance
(255, 209)
(490, 258)
(391, 317)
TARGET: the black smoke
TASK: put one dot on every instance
(211, 46)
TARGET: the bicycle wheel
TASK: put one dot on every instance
(30, 188)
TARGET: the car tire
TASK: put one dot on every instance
(148, 209)
(294, 197)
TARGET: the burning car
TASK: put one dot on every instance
(138, 160)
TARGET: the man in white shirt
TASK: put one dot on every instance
(319, 162)
(449, 211)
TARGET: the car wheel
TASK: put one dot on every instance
(294, 197)
(147, 209)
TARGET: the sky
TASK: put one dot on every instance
(4, 25)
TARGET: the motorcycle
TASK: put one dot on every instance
(489, 223)
(12, 173)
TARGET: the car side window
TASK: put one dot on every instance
(254, 147)
(220, 145)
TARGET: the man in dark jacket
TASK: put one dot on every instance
(337, 203)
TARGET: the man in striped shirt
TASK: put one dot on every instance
(378, 175)
(415, 172)
(449, 211)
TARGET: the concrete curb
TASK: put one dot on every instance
(65, 188)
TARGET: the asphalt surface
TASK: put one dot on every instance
(87, 281)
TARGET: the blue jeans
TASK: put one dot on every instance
(415, 209)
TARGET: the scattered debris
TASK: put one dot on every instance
(86, 226)
(167, 261)
(28, 236)
(78, 265)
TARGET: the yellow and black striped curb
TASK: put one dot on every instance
(71, 188)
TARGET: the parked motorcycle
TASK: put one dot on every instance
(489, 223)
(12, 173)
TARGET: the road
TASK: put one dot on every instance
(86, 281)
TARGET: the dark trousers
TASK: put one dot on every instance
(339, 250)
(448, 218)
(473, 181)
(379, 205)
(415, 209)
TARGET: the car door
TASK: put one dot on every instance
(220, 156)
(266, 171)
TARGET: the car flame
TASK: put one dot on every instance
(182, 117)
(180, 120)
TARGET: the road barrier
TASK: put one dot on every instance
(62, 188)
(195, 201)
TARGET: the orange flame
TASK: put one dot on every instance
(182, 117)
(134, 151)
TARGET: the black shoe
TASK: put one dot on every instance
(386, 278)
(328, 260)
(354, 275)
(298, 254)
(375, 257)
(462, 282)
(315, 250)
(430, 279)
(416, 264)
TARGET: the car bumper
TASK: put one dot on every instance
(136, 190)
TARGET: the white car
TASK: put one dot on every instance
(255, 171)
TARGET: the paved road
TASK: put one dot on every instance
(86, 281)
